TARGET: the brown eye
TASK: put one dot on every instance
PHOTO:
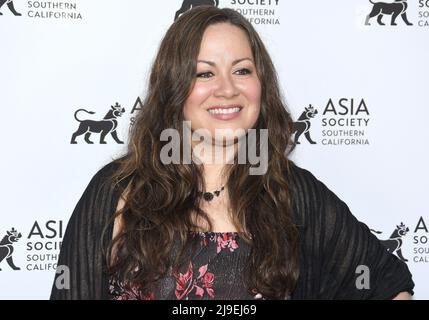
(243, 72)
(204, 75)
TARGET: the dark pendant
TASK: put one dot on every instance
(208, 196)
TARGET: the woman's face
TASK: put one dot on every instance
(227, 90)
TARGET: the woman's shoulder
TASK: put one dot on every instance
(334, 243)
(102, 189)
(98, 201)
(311, 198)
(106, 171)
(103, 178)
(305, 184)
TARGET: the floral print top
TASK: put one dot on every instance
(214, 272)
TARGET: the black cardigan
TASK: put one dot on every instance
(333, 243)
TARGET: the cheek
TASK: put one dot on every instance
(253, 93)
(195, 102)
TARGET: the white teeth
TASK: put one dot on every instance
(224, 111)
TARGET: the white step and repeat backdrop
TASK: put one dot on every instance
(363, 88)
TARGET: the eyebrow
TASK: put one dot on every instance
(211, 63)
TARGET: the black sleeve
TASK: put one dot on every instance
(337, 244)
(81, 252)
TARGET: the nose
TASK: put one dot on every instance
(226, 87)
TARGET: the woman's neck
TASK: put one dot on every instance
(215, 160)
(214, 177)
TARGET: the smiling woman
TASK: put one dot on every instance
(227, 91)
(146, 229)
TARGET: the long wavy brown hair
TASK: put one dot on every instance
(161, 200)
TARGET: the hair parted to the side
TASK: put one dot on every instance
(159, 198)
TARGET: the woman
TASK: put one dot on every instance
(148, 227)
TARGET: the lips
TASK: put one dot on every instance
(225, 108)
(225, 112)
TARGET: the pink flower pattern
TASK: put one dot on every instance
(224, 240)
(189, 283)
(186, 283)
(136, 293)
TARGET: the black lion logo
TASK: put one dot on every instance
(10, 6)
(105, 126)
(189, 4)
(394, 243)
(399, 7)
(6, 247)
(303, 124)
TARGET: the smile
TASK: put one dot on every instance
(225, 112)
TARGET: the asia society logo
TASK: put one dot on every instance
(303, 124)
(420, 242)
(395, 9)
(343, 122)
(6, 247)
(394, 243)
(103, 127)
(10, 5)
(189, 4)
(397, 12)
(48, 10)
(398, 241)
(41, 249)
(256, 11)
